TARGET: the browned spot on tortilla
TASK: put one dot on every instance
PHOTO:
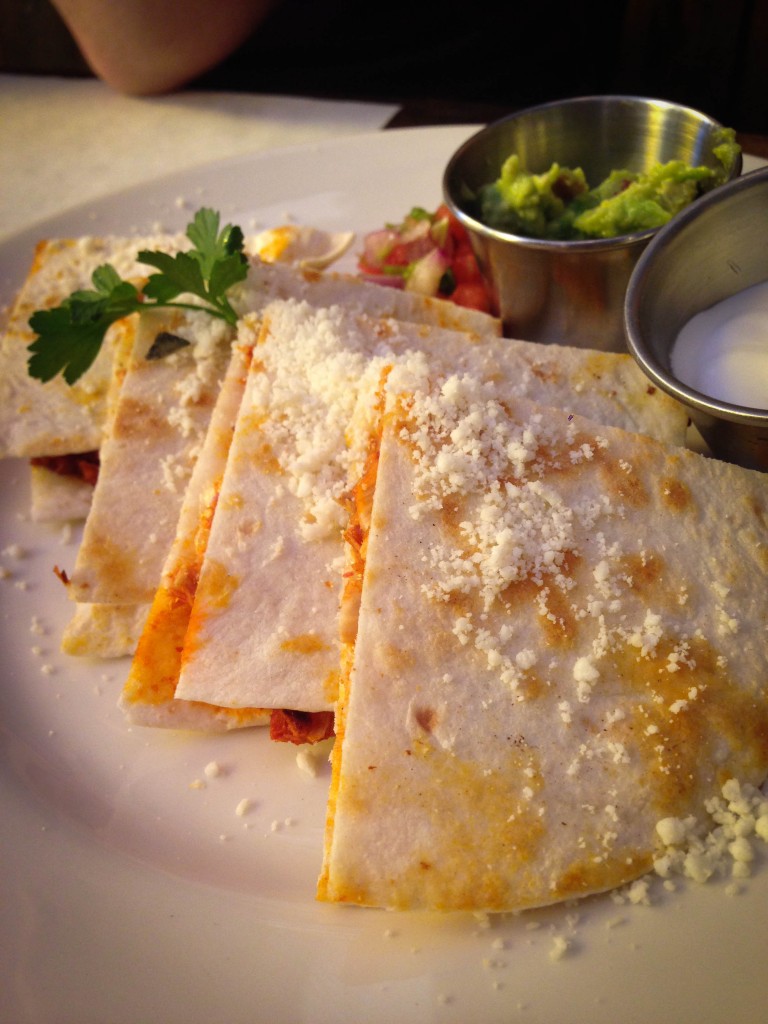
(622, 484)
(260, 451)
(687, 722)
(138, 419)
(310, 275)
(591, 875)
(217, 585)
(427, 718)
(758, 509)
(214, 592)
(531, 686)
(675, 495)
(114, 562)
(546, 372)
(558, 623)
(643, 572)
(304, 643)
(331, 685)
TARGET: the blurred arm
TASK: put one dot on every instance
(142, 47)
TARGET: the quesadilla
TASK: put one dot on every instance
(156, 666)
(104, 630)
(323, 289)
(300, 441)
(148, 694)
(146, 461)
(54, 418)
(61, 496)
(160, 418)
(561, 641)
(54, 421)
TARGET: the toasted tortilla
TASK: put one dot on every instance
(160, 418)
(104, 630)
(300, 441)
(561, 641)
(58, 498)
(147, 459)
(55, 418)
(329, 288)
(148, 695)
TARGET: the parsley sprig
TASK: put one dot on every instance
(69, 336)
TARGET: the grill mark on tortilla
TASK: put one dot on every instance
(136, 418)
(305, 643)
(675, 495)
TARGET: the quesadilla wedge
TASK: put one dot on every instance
(60, 496)
(329, 288)
(104, 630)
(561, 641)
(54, 418)
(148, 695)
(146, 461)
(300, 441)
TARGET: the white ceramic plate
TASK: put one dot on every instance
(131, 890)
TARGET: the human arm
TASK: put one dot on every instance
(142, 47)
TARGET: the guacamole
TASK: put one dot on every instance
(560, 204)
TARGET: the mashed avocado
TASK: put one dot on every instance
(559, 204)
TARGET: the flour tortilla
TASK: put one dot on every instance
(104, 630)
(300, 441)
(162, 414)
(148, 695)
(57, 498)
(146, 461)
(557, 647)
(322, 289)
(55, 418)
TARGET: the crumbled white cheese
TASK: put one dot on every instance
(736, 817)
(558, 948)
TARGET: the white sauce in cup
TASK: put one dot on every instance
(723, 351)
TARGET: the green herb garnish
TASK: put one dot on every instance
(70, 335)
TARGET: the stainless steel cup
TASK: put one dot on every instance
(571, 292)
(717, 247)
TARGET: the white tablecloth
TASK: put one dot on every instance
(65, 141)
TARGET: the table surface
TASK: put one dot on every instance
(66, 141)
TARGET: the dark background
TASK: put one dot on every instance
(447, 56)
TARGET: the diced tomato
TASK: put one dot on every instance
(398, 255)
(464, 265)
(367, 269)
(473, 295)
(430, 254)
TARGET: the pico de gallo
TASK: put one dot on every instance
(429, 253)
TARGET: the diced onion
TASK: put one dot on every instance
(426, 273)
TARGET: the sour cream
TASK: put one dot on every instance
(723, 351)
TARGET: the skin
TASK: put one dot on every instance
(145, 47)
